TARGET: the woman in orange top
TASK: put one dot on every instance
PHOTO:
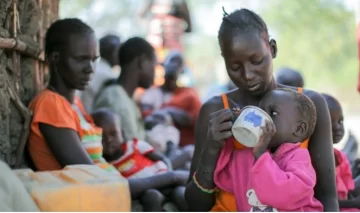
(56, 137)
(248, 53)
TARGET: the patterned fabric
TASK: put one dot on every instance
(134, 163)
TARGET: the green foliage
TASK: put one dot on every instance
(316, 37)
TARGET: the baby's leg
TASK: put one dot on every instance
(152, 200)
(178, 198)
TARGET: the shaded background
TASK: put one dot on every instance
(317, 37)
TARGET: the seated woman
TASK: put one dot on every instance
(181, 103)
(248, 53)
(59, 137)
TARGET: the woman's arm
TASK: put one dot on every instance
(205, 159)
(65, 144)
(321, 152)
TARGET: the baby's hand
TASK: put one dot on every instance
(268, 132)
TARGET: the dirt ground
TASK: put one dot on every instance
(33, 20)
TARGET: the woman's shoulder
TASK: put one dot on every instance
(316, 97)
(114, 89)
(212, 105)
(47, 98)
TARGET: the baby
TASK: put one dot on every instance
(275, 175)
(344, 181)
(146, 170)
(133, 158)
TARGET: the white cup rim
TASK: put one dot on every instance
(258, 108)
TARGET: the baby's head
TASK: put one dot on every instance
(289, 77)
(293, 114)
(337, 118)
(112, 137)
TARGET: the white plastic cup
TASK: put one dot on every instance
(247, 127)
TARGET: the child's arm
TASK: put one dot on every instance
(288, 188)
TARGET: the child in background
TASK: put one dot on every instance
(277, 174)
(133, 158)
(289, 77)
(137, 160)
(344, 181)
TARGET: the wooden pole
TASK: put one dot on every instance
(21, 47)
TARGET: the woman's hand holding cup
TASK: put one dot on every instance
(219, 130)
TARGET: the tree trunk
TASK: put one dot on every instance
(21, 75)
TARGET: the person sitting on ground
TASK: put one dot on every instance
(277, 162)
(181, 103)
(57, 132)
(137, 159)
(137, 61)
(62, 133)
(289, 77)
(349, 200)
(109, 46)
(248, 54)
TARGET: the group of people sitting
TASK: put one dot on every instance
(149, 142)
(168, 146)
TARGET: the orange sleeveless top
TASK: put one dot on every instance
(225, 201)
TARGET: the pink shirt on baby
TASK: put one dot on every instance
(283, 181)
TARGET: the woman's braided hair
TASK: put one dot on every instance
(243, 20)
